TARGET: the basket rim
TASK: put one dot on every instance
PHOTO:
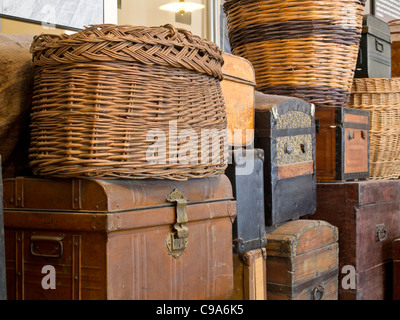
(177, 47)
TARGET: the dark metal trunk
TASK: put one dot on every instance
(285, 130)
(246, 176)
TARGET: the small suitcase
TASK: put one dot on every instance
(246, 175)
(302, 261)
(367, 216)
(3, 287)
(119, 239)
(374, 57)
(285, 130)
(238, 88)
(342, 143)
(250, 275)
(396, 269)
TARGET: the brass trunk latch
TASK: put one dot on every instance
(178, 239)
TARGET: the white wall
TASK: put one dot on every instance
(367, 7)
(111, 11)
(147, 13)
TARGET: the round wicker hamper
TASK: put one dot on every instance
(306, 49)
(127, 102)
(381, 97)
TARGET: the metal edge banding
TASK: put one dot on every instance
(76, 194)
(355, 125)
(293, 132)
(19, 266)
(339, 139)
(117, 211)
(19, 192)
(76, 267)
(237, 79)
(139, 258)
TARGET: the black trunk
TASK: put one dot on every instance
(285, 130)
(246, 175)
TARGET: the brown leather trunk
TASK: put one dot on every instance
(396, 269)
(250, 275)
(119, 239)
(302, 261)
(238, 89)
(367, 216)
(342, 141)
(396, 59)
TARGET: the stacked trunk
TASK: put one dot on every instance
(302, 261)
(342, 144)
(119, 239)
(246, 173)
(285, 130)
(367, 216)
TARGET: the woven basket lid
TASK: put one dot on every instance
(164, 45)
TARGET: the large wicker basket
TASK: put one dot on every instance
(306, 49)
(381, 97)
(127, 102)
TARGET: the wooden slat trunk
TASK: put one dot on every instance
(250, 275)
(111, 239)
(302, 261)
(342, 144)
(367, 216)
(285, 130)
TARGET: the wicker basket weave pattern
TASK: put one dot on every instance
(105, 96)
(306, 49)
(381, 97)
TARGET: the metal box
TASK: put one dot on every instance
(374, 58)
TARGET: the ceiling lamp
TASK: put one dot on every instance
(182, 7)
